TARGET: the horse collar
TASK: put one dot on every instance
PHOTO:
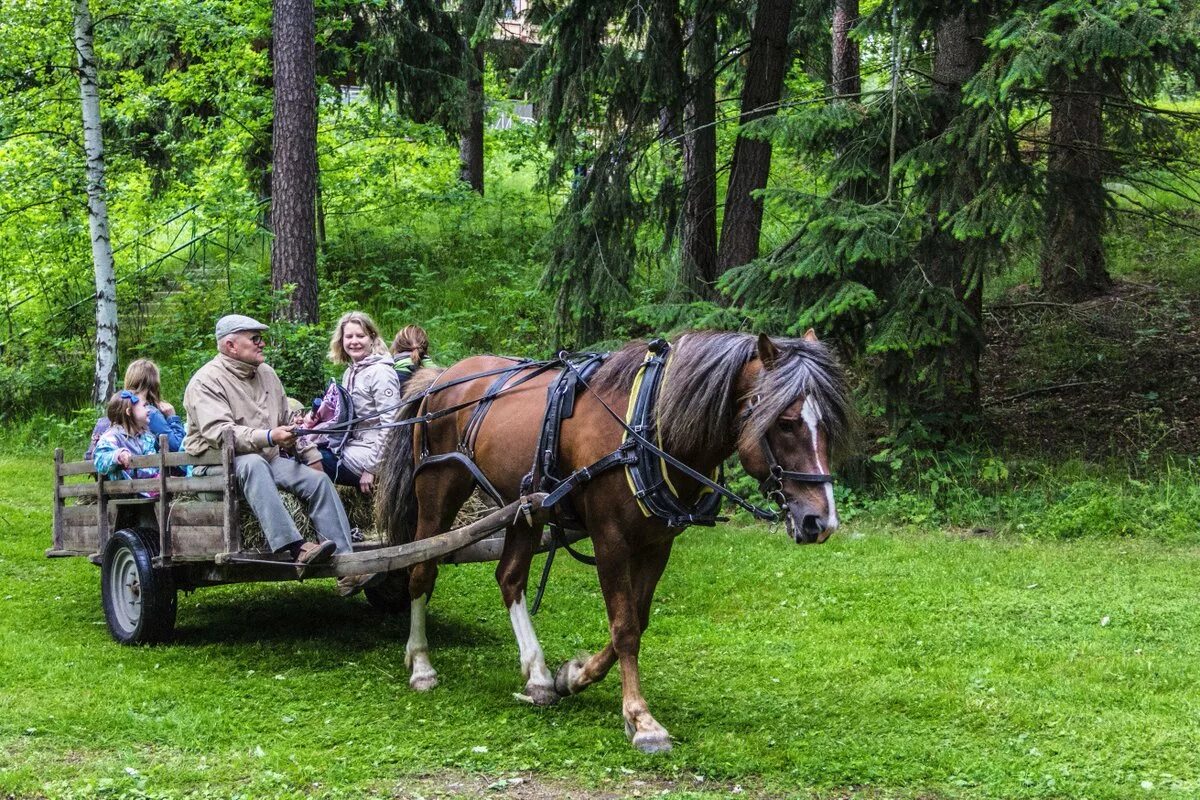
(647, 473)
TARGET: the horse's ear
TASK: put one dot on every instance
(768, 353)
(810, 335)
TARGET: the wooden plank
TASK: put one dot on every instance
(197, 512)
(386, 559)
(215, 483)
(79, 489)
(74, 468)
(233, 531)
(102, 525)
(79, 538)
(56, 522)
(197, 540)
(78, 515)
(210, 459)
(164, 502)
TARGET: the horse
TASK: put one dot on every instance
(782, 404)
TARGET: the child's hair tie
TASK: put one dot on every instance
(125, 394)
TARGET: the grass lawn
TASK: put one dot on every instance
(884, 664)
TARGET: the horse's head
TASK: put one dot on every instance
(795, 406)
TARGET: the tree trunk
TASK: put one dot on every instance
(942, 382)
(102, 257)
(470, 144)
(294, 174)
(846, 81)
(752, 157)
(699, 222)
(1073, 266)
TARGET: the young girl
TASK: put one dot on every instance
(128, 435)
(142, 378)
(410, 349)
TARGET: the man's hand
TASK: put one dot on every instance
(166, 408)
(283, 436)
(366, 483)
(123, 458)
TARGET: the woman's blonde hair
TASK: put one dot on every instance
(412, 340)
(142, 377)
(337, 353)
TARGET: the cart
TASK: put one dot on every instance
(152, 537)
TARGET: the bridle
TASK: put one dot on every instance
(772, 485)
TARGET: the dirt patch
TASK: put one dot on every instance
(527, 786)
(1112, 377)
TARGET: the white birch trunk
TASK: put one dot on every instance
(102, 257)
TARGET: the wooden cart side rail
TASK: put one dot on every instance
(174, 485)
(209, 459)
(165, 485)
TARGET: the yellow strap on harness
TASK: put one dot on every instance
(633, 393)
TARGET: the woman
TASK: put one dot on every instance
(370, 379)
(410, 349)
(143, 379)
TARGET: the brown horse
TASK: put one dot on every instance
(773, 401)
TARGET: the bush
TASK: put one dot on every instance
(299, 355)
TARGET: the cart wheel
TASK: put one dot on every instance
(391, 594)
(139, 600)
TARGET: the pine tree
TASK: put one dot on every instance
(294, 173)
(769, 59)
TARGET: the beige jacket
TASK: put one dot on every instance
(375, 393)
(230, 394)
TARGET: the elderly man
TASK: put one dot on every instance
(237, 391)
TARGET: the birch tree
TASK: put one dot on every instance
(102, 256)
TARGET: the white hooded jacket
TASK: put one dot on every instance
(375, 394)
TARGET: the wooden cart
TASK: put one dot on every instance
(152, 537)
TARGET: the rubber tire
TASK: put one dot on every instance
(127, 568)
(390, 595)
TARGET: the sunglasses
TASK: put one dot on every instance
(255, 338)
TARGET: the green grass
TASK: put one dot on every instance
(884, 664)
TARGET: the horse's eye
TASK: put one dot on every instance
(788, 426)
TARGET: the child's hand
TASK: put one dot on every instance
(123, 458)
(166, 408)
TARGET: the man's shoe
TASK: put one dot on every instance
(311, 554)
(348, 585)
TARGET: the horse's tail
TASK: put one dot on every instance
(396, 499)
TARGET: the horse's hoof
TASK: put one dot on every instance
(423, 682)
(652, 741)
(562, 678)
(542, 694)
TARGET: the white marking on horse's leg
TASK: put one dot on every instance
(539, 683)
(416, 652)
(811, 414)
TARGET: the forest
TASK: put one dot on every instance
(988, 208)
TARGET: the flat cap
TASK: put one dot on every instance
(232, 323)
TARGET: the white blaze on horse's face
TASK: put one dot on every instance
(799, 442)
(811, 414)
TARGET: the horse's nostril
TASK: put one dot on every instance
(812, 524)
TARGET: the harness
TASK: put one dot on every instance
(640, 453)
(647, 476)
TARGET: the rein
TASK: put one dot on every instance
(634, 449)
